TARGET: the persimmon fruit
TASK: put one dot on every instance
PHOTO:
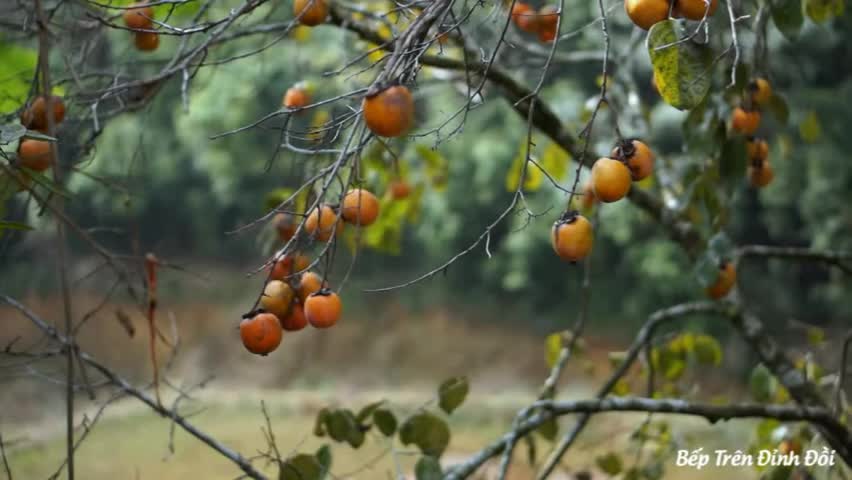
(547, 23)
(745, 121)
(309, 284)
(261, 334)
(139, 16)
(572, 237)
(147, 41)
(588, 200)
(35, 117)
(296, 97)
(760, 173)
(390, 112)
(761, 91)
(288, 265)
(323, 308)
(611, 179)
(310, 12)
(277, 297)
(360, 207)
(295, 319)
(525, 17)
(400, 189)
(724, 282)
(645, 13)
(35, 154)
(285, 225)
(322, 222)
(695, 9)
(639, 158)
(757, 149)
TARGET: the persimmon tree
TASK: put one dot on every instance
(368, 146)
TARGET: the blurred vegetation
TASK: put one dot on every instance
(158, 176)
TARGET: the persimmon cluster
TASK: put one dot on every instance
(294, 296)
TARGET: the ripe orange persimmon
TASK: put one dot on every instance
(310, 12)
(322, 222)
(572, 237)
(400, 189)
(761, 91)
(548, 17)
(611, 180)
(389, 113)
(760, 173)
(639, 158)
(588, 199)
(360, 207)
(147, 41)
(727, 278)
(309, 284)
(35, 117)
(35, 154)
(757, 149)
(295, 320)
(276, 298)
(790, 446)
(284, 225)
(261, 334)
(323, 308)
(645, 13)
(745, 121)
(695, 9)
(525, 17)
(139, 16)
(288, 265)
(296, 97)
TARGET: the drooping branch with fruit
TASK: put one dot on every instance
(373, 120)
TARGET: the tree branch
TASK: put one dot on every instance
(835, 258)
(129, 389)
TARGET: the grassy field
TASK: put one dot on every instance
(130, 442)
(386, 352)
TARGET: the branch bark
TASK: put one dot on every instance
(125, 386)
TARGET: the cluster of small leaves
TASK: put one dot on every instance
(425, 429)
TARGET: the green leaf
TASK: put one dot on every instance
(319, 423)
(451, 393)
(437, 166)
(365, 413)
(766, 430)
(810, 129)
(787, 15)
(762, 384)
(707, 350)
(342, 427)
(552, 348)
(428, 468)
(385, 420)
(301, 467)
(323, 456)
(610, 463)
(10, 133)
(822, 10)
(732, 162)
(6, 225)
(778, 107)
(721, 245)
(428, 432)
(549, 429)
(706, 269)
(816, 336)
(682, 69)
(17, 66)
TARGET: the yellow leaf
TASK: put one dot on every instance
(552, 347)
(555, 161)
(301, 33)
(810, 129)
(318, 123)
